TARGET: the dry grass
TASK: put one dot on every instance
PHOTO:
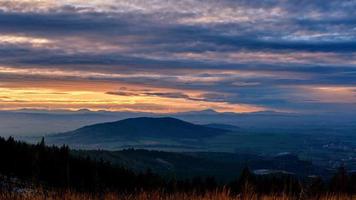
(221, 195)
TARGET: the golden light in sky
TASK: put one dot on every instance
(74, 99)
(174, 56)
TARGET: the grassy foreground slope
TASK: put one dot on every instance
(218, 195)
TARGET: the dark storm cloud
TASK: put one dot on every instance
(168, 94)
(175, 95)
(120, 93)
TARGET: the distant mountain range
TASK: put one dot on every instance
(27, 122)
(138, 129)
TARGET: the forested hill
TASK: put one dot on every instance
(57, 167)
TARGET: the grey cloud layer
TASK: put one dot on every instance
(171, 39)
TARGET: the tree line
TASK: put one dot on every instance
(56, 167)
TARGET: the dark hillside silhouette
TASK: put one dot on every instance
(142, 127)
(57, 167)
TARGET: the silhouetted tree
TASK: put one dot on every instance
(246, 183)
(339, 183)
(316, 188)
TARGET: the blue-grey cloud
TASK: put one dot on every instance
(256, 52)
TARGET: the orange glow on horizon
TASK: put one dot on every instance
(52, 99)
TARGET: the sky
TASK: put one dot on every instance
(167, 56)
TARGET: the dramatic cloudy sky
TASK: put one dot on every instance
(172, 56)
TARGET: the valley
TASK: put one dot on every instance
(189, 143)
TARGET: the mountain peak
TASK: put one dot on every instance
(143, 127)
